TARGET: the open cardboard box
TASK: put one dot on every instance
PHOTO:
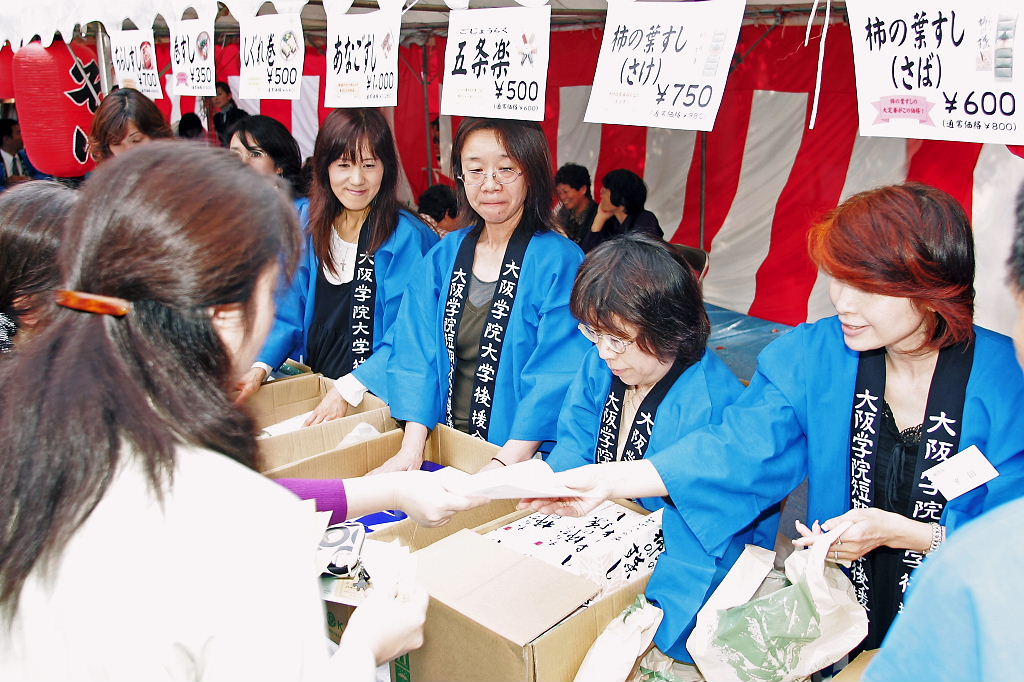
(288, 448)
(283, 399)
(496, 614)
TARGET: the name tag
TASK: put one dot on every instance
(961, 473)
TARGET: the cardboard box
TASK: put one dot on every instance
(284, 398)
(855, 671)
(296, 446)
(498, 615)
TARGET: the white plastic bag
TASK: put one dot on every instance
(783, 636)
(613, 654)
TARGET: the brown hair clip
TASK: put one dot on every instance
(93, 303)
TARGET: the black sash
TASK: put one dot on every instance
(364, 297)
(940, 439)
(643, 424)
(493, 337)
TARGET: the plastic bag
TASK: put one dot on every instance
(783, 636)
(613, 654)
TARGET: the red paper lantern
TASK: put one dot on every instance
(57, 97)
(6, 73)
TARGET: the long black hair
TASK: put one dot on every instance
(176, 229)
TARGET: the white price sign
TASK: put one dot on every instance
(134, 59)
(496, 63)
(272, 56)
(362, 58)
(192, 57)
(664, 64)
(941, 70)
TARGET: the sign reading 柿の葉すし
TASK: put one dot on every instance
(664, 64)
(272, 54)
(940, 70)
(496, 63)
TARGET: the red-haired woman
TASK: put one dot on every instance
(861, 404)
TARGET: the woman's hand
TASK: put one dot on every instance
(422, 496)
(389, 623)
(249, 383)
(588, 480)
(871, 528)
(406, 459)
(333, 406)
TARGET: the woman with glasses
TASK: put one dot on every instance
(361, 248)
(485, 341)
(648, 381)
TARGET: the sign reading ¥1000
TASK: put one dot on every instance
(664, 64)
(496, 63)
(940, 70)
(272, 52)
(362, 58)
(134, 59)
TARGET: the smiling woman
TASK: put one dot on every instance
(361, 249)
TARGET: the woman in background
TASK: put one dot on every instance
(125, 119)
(32, 217)
(265, 145)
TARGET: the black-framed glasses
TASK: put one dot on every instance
(503, 176)
(614, 343)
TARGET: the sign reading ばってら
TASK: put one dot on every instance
(496, 63)
(940, 70)
(134, 59)
(664, 64)
(362, 58)
(272, 55)
(192, 57)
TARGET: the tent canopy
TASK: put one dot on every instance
(19, 24)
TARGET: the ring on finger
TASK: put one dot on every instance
(836, 553)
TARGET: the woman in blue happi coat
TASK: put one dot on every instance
(485, 341)
(649, 380)
(861, 404)
(361, 248)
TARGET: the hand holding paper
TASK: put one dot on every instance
(530, 479)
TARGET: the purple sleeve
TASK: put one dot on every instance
(328, 493)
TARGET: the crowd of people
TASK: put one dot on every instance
(139, 313)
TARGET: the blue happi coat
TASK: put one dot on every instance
(394, 262)
(793, 421)
(542, 350)
(685, 573)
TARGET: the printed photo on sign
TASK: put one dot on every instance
(362, 59)
(664, 65)
(272, 53)
(941, 70)
(192, 57)
(134, 59)
(496, 63)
